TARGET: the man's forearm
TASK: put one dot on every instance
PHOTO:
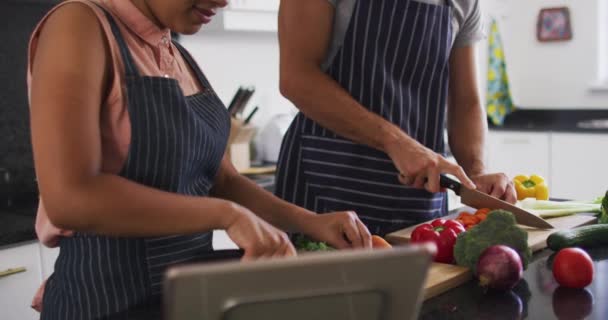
(467, 129)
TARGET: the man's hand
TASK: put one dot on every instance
(497, 185)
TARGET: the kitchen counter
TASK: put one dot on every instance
(556, 120)
(17, 218)
(16, 228)
(538, 296)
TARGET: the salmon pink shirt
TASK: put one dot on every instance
(154, 55)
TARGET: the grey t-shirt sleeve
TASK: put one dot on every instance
(471, 30)
(332, 2)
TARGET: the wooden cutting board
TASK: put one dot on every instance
(443, 277)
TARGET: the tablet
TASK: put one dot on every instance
(353, 284)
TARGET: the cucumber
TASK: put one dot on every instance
(584, 237)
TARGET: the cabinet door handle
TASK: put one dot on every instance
(11, 271)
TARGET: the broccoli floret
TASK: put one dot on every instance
(302, 243)
(499, 228)
(604, 214)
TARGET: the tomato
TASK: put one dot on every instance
(573, 268)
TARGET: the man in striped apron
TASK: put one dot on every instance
(391, 70)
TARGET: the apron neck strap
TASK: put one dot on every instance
(127, 58)
(193, 65)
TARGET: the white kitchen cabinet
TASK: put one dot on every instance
(17, 290)
(519, 153)
(578, 169)
(247, 15)
(48, 256)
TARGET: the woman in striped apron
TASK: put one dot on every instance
(373, 80)
(157, 208)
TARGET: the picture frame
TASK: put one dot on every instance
(554, 25)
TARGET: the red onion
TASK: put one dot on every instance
(499, 267)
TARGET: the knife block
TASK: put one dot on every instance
(239, 142)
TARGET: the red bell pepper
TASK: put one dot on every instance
(443, 234)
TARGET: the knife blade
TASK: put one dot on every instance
(478, 199)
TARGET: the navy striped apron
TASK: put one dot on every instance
(394, 61)
(177, 144)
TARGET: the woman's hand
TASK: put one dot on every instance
(420, 167)
(258, 238)
(341, 230)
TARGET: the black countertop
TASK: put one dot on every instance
(17, 217)
(538, 296)
(556, 120)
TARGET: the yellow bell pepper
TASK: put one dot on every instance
(531, 187)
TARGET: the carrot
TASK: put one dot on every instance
(464, 214)
(483, 211)
(481, 217)
(379, 243)
(471, 220)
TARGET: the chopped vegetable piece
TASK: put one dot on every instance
(380, 243)
(302, 243)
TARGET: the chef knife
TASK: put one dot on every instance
(237, 96)
(478, 200)
(243, 102)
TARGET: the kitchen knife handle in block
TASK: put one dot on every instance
(449, 183)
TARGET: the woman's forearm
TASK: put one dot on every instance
(111, 205)
(234, 187)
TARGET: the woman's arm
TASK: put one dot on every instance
(305, 29)
(334, 228)
(69, 80)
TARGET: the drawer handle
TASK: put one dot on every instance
(12, 271)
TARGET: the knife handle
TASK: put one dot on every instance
(449, 183)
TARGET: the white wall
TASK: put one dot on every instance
(543, 75)
(549, 75)
(230, 59)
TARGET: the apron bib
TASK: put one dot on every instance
(395, 62)
(177, 144)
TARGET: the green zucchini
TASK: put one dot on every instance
(583, 237)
